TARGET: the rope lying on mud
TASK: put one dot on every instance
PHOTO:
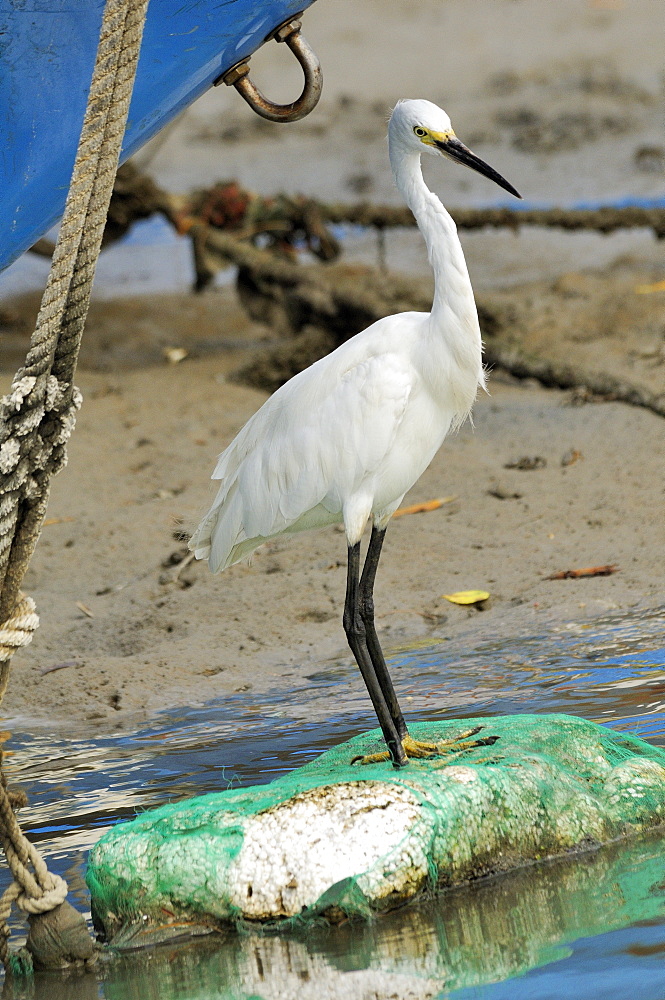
(37, 417)
(592, 385)
(136, 196)
(604, 220)
(329, 312)
(322, 313)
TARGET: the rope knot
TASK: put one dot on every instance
(58, 420)
(51, 898)
(67, 416)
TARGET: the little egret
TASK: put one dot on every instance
(345, 439)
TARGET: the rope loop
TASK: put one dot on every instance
(19, 628)
(37, 418)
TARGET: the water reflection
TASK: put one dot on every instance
(611, 671)
(479, 934)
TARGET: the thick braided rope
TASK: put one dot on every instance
(39, 412)
(37, 416)
(66, 353)
(54, 300)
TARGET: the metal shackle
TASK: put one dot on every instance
(238, 77)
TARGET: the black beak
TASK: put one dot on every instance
(456, 150)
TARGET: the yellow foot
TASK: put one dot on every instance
(420, 749)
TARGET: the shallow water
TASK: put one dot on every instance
(589, 927)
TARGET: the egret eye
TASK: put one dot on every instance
(420, 132)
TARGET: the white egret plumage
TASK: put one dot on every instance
(345, 439)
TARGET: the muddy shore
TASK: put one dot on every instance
(569, 114)
(124, 632)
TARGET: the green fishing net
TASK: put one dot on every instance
(482, 932)
(335, 839)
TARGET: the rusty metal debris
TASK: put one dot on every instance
(281, 225)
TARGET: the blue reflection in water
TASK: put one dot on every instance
(611, 671)
(622, 965)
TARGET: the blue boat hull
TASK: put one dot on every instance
(47, 52)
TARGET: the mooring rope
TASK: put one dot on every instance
(37, 416)
(604, 219)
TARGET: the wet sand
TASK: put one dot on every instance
(134, 639)
(127, 637)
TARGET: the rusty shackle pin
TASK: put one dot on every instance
(238, 77)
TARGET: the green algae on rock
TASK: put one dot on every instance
(333, 839)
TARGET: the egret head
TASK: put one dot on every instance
(422, 127)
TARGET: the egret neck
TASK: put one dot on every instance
(453, 318)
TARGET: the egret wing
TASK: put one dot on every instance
(322, 442)
(316, 441)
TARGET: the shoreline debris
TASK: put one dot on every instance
(575, 574)
(423, 508)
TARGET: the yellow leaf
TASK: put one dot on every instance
(657, 286)
(467, 596)
(422, 508)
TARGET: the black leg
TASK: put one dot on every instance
(356, 633)
(373, 646)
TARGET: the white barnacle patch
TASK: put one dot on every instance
(295, 851)
(10, 452)
(463, 775)
(638, 781)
